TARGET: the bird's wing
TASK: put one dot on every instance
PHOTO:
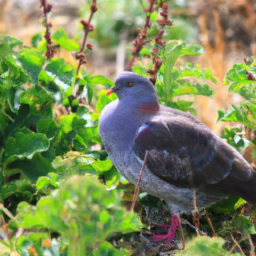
(183, 152)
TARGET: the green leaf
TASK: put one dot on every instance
(45, 181)
(234, 116)
(102, 166)
(104, 100)
(72, 122)
(172, 52)
(32, 62)
(193, 50)
(107, 249)
(188, 89)
(12, 41)
(244, 224)
(102, 80)
(36, 40)
(47, 127)
(112, 178)
(204, 245)
(81, 111)
(60, 72)
(84, 216)
(191, 70)
(26, 145)
(6, 46)
(236, 74)
(226, 206)
(61, 37)
(32, 169)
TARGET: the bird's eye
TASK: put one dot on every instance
(130, 84)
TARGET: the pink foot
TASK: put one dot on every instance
(168, 238)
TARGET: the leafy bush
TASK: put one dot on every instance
(52, 201)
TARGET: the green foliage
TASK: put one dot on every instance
(241, 79)
(175, 81)
(49, 170)
(85, 217)
(40, 150)
(60, 37)
(204, 246)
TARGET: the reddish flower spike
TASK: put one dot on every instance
(151, 71)
(48, 8)
(89, 46)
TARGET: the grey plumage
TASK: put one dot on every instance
(184, 153)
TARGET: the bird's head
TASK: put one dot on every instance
(131, 86)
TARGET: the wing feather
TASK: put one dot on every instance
(183, 152)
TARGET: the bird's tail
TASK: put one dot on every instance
(242, 180)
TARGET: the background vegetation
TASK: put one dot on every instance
(59, 193)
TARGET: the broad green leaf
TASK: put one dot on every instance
(36, 40)
(23, 246)
(26, 145)
(185, 90)
(32, 169)
(23, 114)
(107, 249)
(233, 137)
(244, 224)
(193, 50)
(62, 73)
(35, 96)
(81, 111)
(61, 37)
(32, 62)
(40, 103)
(236, 74)
(72, 122)
(12, 41)
(102, 166)
(226, 206)
(73, 164)
(112, 178)
(102, 80)
(234, 116)
(204, 245)
(172, 52)
(84, 216)
(191, 70)
(6, 45)
(4, 122)
(47, 127)
(45, 181)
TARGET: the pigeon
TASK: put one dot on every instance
(185, 159)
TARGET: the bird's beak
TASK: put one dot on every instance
(109, 91)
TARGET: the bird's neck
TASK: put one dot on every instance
(143, 106)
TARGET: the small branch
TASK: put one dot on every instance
(5, 227)
(138, 183)
(162, 23)
(181, 233)
(236, 245)
(192, 226)
(46, 10)
(196, 215)
(210, 223)
(6, 211)
(252, 247)
(87, 28)
(140, 41)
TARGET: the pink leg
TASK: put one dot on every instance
(170, 234)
